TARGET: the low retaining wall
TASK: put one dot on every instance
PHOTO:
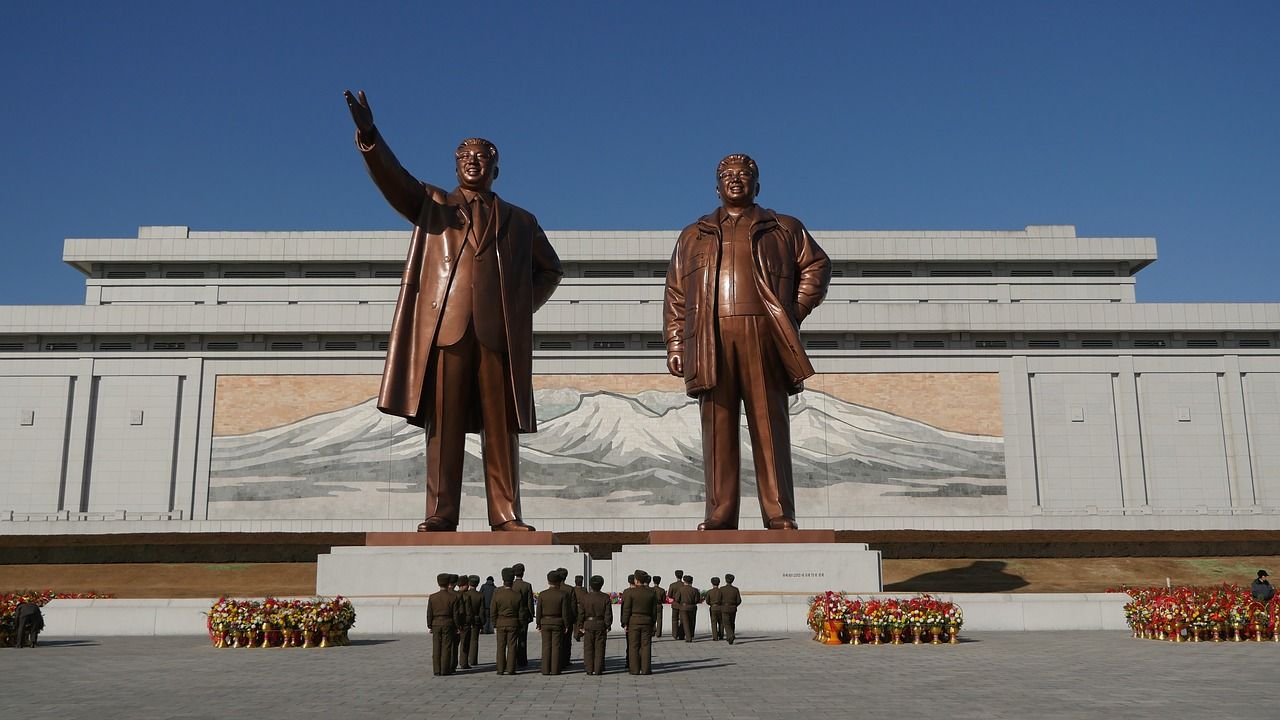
(759, 613)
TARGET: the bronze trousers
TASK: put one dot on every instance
(505, 637)
(593, 644)
(444, 652)
(639, 644)
(748, 372)
(468, 375)
(552, 647)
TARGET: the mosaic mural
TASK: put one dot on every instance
(314, 446)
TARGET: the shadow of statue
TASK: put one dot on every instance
(979, 576)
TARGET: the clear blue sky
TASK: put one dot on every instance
(1130, 118)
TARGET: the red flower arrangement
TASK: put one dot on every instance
(274, 622)
(875, 618)
(1189, 612)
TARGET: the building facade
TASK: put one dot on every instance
(967, 380)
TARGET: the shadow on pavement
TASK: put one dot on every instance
(64, 643)
(740, 640)
(980, 576)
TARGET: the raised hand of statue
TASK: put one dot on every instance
(361, 113)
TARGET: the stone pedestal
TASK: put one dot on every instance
(406, 564)
(781, 566)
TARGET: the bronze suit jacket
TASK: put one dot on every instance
(528, 265)
(791, 272)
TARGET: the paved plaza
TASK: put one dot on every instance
(991, 675)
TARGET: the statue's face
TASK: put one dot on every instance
(737, 185)
(477, 169)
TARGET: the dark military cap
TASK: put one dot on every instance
(715, 581)
(657, 578)
(597, 582)
(508, 575)
(453, 578)
(631, 579)
(518, 569)
(475, 579)
(643, 577)
(577, 579)
(442, 579)
(688, 579)
(728, 577)
(679, 574)
(553, 577)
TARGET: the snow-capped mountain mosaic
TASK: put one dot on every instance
(608, 454)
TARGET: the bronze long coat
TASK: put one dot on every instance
(527, 263)
(791, 272)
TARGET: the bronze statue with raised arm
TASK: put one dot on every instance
(460, 357)
(741, 281)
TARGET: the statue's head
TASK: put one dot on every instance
(737, 181)
(477, 164)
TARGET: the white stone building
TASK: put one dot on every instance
(967, 380)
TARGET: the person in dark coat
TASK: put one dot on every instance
(30, 621)
(1261, 588)
(486, 590)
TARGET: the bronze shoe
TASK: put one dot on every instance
(513, 526)
(714, 525)
(436, 524)
(783, 523)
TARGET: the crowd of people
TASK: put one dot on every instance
(462, 610)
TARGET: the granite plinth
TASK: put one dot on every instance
(455, 539)
(739, 537)
(795, 567)
(410, 570)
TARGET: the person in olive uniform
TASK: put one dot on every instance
(713, 608)
(554, 616)
(526, 594)
(639, 609)
(730, 599)
(476, 606)
(457, 640)
(687, 598)
(676, 633)
(487, 591)
(444, 615)
(566, 639)
(508, 613)
(468, 619)
(662, 602)
(595, 618)
(631, 580)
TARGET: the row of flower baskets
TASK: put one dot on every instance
(9, 602)
(837, 620)
(275, 622)
(1196, 613)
